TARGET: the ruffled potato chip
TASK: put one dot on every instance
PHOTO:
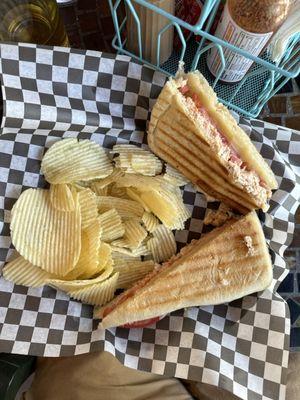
(124, 207)
(82, 184)
(123, 162)
(175, 177)
(116, 191)
(130, 272)
(103, 183)
(70, 160)
(111, 225)
(88, 263)
(88, 207)
(146, 164)
(162, 245)
(135, 195)
(22, 272)
(142, 250)
(62, 197)
(104, 255)
(134, 233)
(150, 221)
(46, 237)
(79, 284)
(77, 187)
(76, 249)
(98, 190)
(126, 149)
(140, 182)
(167, 207)
(134, 159)
(121, 257)
(97, 294)
(120, 243)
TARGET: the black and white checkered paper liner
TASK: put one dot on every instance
(50, 93)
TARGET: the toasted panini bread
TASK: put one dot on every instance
(230, 262)
(197, 135)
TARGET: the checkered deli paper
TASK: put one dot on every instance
(54, 93)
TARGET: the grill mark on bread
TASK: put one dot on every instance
(209, 257)
(233, 204)
(204, 148)
(220, 265)
(130, 291)
(163, 101)
(220, 165)
(200, 86)
(158, 294)
(191, 254)
(185, 117)
(233, 188)
(247, 201)
(156, 120)
(185, 251)
(191, 248)
(183, 156)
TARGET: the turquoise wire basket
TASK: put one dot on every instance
(248, 96)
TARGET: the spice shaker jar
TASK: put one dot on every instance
(248, 25)
(151, 23)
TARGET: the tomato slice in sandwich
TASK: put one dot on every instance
(142, 324)
(136, 324)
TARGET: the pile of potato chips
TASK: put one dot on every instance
(103, 224)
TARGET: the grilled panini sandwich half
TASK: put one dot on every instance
(230, 262)
(197, 135)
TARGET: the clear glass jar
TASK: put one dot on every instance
(34, 21)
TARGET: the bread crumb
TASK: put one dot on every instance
(218, 217)
(210, 199)
(180, 72)
(249, 244)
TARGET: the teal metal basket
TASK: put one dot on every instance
(248, 96)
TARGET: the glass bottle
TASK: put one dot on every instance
(248, 25)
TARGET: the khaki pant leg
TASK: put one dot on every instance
(98, 376)
(293, 379)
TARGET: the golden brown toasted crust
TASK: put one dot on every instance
(215, 269)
